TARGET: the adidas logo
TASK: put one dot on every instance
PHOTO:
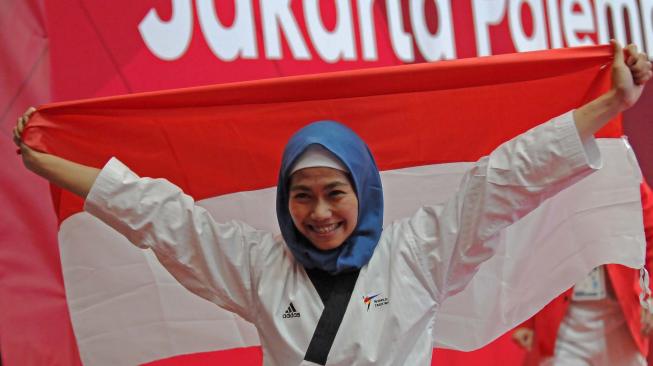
(291, 312)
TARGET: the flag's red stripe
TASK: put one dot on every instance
(253, 356)
(469, 72)
(247, 356)
(222, 139)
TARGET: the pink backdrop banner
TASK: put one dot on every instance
(71, 49)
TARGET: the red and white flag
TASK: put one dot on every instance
(424, 124)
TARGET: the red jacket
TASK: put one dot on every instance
(625, 282)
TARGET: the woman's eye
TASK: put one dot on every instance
(301, 196)
(336, 193)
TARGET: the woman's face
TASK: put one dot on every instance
(323, 205)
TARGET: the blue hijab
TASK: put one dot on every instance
(357, 250)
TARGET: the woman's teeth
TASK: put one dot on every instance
(325, 229)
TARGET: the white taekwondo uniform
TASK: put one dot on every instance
(418, 262)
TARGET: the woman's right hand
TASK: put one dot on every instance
(20, 127)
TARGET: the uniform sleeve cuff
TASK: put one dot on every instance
(108, 183)
(580, 153)
(104, 184)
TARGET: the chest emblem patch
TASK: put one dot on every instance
(377, 300)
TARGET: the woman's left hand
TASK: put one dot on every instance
(631, 69)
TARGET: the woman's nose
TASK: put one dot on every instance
(321, 211)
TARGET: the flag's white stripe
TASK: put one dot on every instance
(597, 221)
(126, 309)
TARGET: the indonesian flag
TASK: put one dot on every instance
(424, 124)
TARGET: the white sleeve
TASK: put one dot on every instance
(215, 261)
(500, 189)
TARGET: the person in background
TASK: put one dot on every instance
(597, 322)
